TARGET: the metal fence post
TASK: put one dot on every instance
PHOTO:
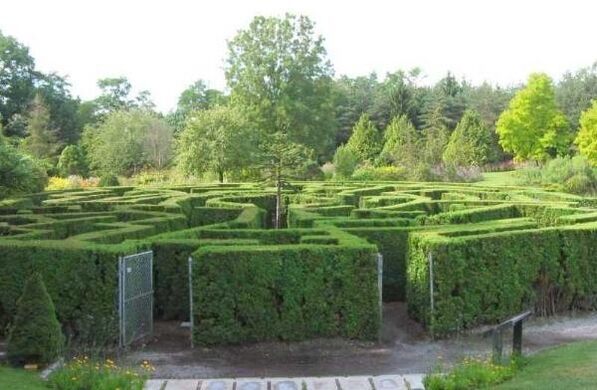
(191, 319)
(380, 290)
(120, 303)
(431, 292)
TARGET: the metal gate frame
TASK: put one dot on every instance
(124, 301)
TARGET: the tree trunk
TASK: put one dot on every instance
(278, 200)
(221, 176)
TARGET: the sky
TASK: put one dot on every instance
(164, 46)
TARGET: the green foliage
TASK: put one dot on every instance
(435, 139)
(470, 142)
(41, 141)
(72, 161)
(575, 91)
(217, 140)
(35, 335)
(108, 181)
(471, 374)
(532, 128)
(126, 141)
(17, 76)
(268, 293)
(84, 374)
(278, 73)
(587, 134)
(345, 162)
(401, 143)
(19, 173)
(365, 140)
(19, 379)
(388, 173)
(571, 174)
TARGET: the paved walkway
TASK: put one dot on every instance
(388, 382)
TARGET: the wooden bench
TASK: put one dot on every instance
(497, 335)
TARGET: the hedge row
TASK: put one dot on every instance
(485, 278)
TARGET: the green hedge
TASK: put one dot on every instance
(284, 293)
(486, 278)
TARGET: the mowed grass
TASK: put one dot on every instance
(17, 379)
(569, 367)
(507, 178)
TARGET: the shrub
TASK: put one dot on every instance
(72, 161)
(571, 174)
(470, 374)
(108, 181)
(84, 374)
(328, 170)
(19, 173)
(388, 173)
(345, 162)
(35, 336)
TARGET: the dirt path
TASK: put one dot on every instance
(404, 349)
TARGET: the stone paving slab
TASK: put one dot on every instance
(286, 384)
(251, 384)
(217, 384)
(183, 384)
(320, 383)
(415, 381)
(382, 382)
(389, 382)
(355, 383)
(154, 384)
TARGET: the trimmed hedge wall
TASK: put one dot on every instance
(486, 278)
(284, 293)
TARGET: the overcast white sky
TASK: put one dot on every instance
(164, 46)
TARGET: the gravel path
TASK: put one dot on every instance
(405, 349)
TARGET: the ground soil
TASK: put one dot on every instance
(404, 348)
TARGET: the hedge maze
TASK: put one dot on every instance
(483, 252)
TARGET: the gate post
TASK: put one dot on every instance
(191, 319)
(120, 303)
(380, 291)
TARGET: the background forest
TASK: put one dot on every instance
(284, 112)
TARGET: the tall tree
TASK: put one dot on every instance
(278, 72)
(125, 141)
(470, 142)
(63, 108)
(279, 160)
(575, 91)
(17, 78)
(435, 136)
(41, 141)
(217, 140)
(365, 140)
(196, 97)
(448, 99)
(532, 128)
(401, 143)
(587, 135)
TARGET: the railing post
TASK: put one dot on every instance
(517, 339)
(497, 345)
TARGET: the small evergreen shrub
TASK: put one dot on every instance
(35, 335)
(108, 181)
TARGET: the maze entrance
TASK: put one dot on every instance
(135, 297)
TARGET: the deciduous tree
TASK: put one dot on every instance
(532, 128)
(587, 135)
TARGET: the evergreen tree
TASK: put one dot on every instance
(345, 162)
(365, 140)
(35, 335)
(435, 137)
(41, 141)
(72, 161)
(401, 143)
(470, 142)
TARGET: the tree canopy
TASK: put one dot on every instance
(278, 73)
(587, 135)
(532, 127)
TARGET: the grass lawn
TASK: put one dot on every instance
(16, 379)
(572, 366)
(507, 178)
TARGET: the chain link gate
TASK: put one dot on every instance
(135, 297)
